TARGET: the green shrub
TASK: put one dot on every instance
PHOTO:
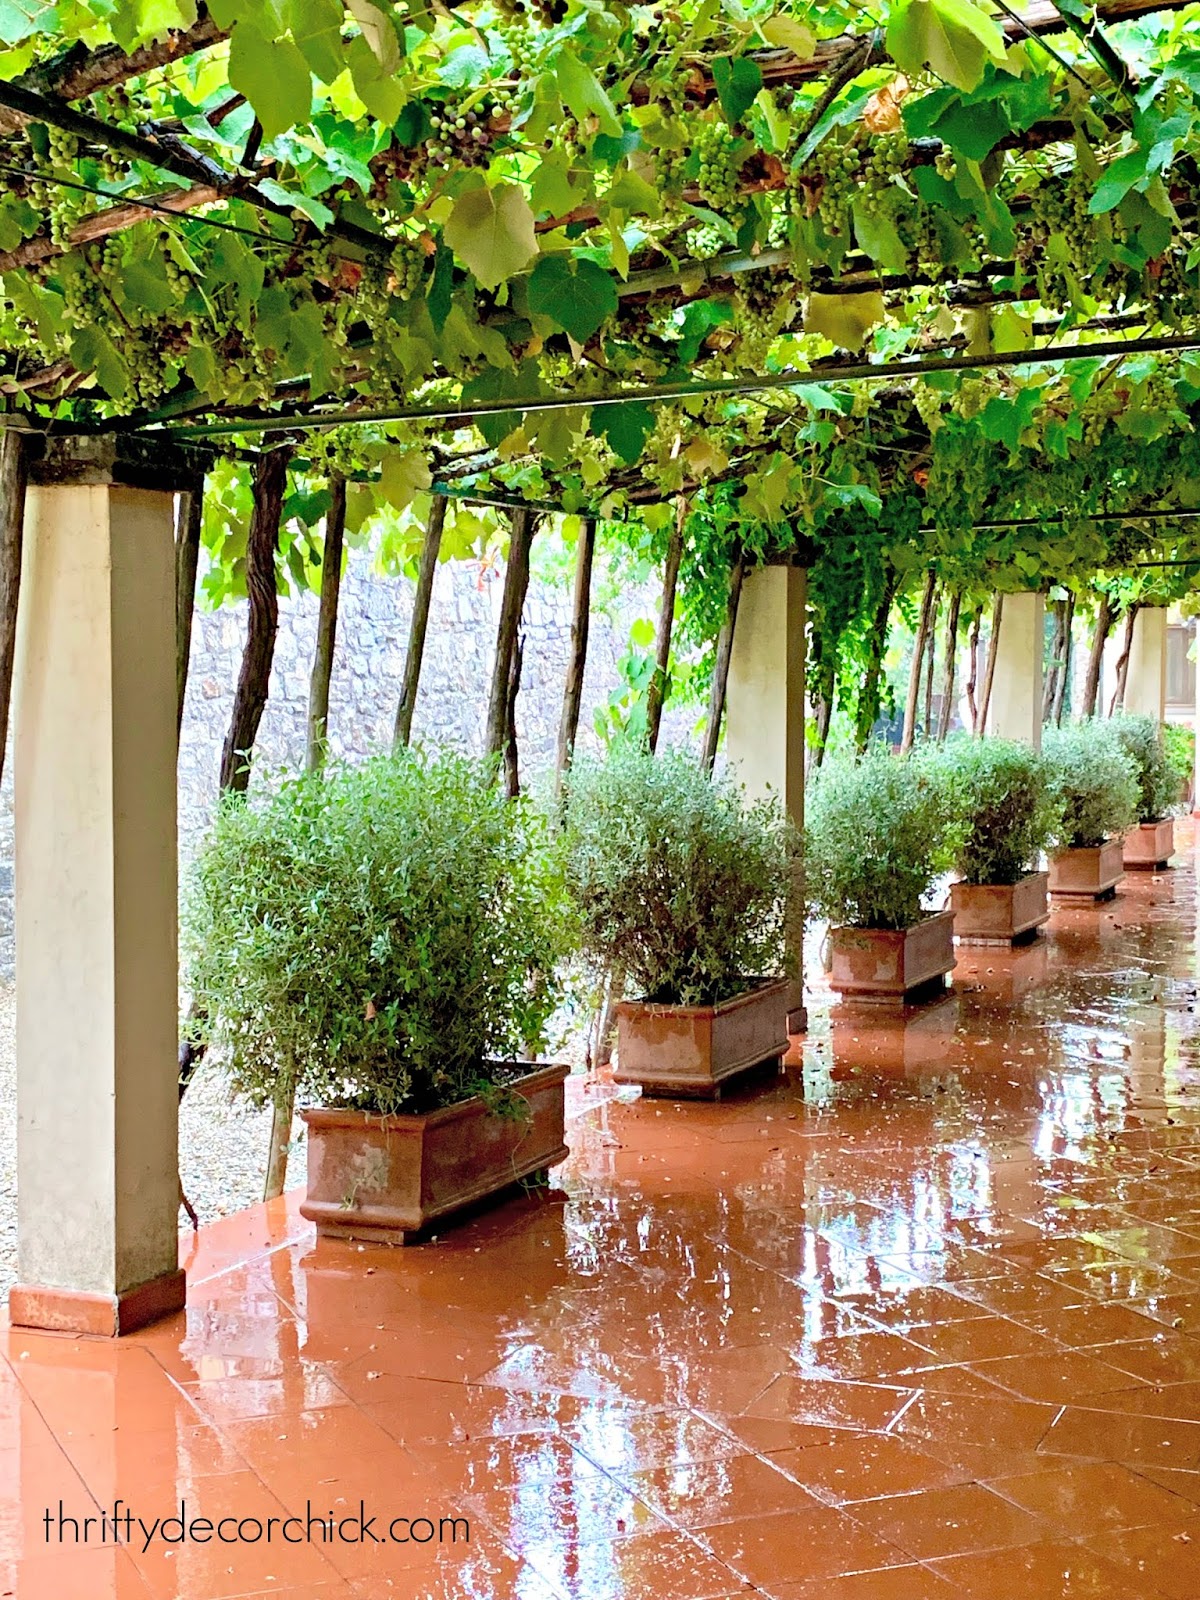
(1093, 781)
(375, 937)
(677, 882)
(1158, 786)
(1180, 742)
(878, 832)
(999, 794)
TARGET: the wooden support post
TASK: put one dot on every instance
(657, 693)
(581, 601)
(989, 671)
(724, 652)
(250, 697)
(1105, 617)
(327, 620)
(924, 624)
(430, 550)
(516, 584)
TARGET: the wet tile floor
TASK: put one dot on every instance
(920, 1320)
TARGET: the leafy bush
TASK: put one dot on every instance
(1093, 781)
(375, 937)
(878, 832)
(1158, 786)
(999, 795)
(678, 883)
(1180, 743)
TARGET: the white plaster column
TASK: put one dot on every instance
(1015, 709)
(764, 706)
(1146, 676)
(95, 870)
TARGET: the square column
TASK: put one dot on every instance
(95, 870)
(764, 710)
(1146, 674)
(1015, 709)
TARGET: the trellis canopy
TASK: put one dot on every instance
(928, 276)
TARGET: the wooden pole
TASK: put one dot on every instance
(13, 463)
(189, 522)
(1105, 617)
(932, 650)
(973, 674)
(516, 583)
(250, 698)
(868, 701)
(989, 671)
(327, 620)
(1050, 684)
(1118, 698)
(402, 732)
(512, 771)
(568, 727)
(949, 666)
(724, 654)
(657, 693)
(914, 676)
(1060, 693)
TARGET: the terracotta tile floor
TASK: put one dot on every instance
(920, 1321)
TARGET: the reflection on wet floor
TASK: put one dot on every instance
(919, 1318)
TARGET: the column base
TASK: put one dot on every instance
(101, 1316)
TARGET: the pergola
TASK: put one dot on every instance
(842, 316)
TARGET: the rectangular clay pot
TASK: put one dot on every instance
(385, 1178)
(999, 913)
(891, 964)
(1150, 845)
(1088, 872)
(691, 1051)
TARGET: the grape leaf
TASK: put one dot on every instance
(788, 34)
(379, 31)
(93, 351)
(954, 37)
(578, 295)
(738, 80)
(626, 427)
(583, 95)
(274, 77)
(316, 26)
(491, 232)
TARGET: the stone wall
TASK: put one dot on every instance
(372, 638)
(373, 626)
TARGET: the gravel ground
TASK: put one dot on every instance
(222, 1147)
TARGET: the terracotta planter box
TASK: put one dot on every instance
(1089, 872)
(1000, 913)
(692, 1051)
(1150, 845)
(892, 964)
(386, 1178)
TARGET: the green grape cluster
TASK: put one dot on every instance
(919, 233)
(1158, 392)
(706, 242)
(409, 261)
(673, 33)
(969, 399)
(885, 159)
(1171, 289)
(64, 207)
(721, 154)
(831, 175)
(518, 38)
